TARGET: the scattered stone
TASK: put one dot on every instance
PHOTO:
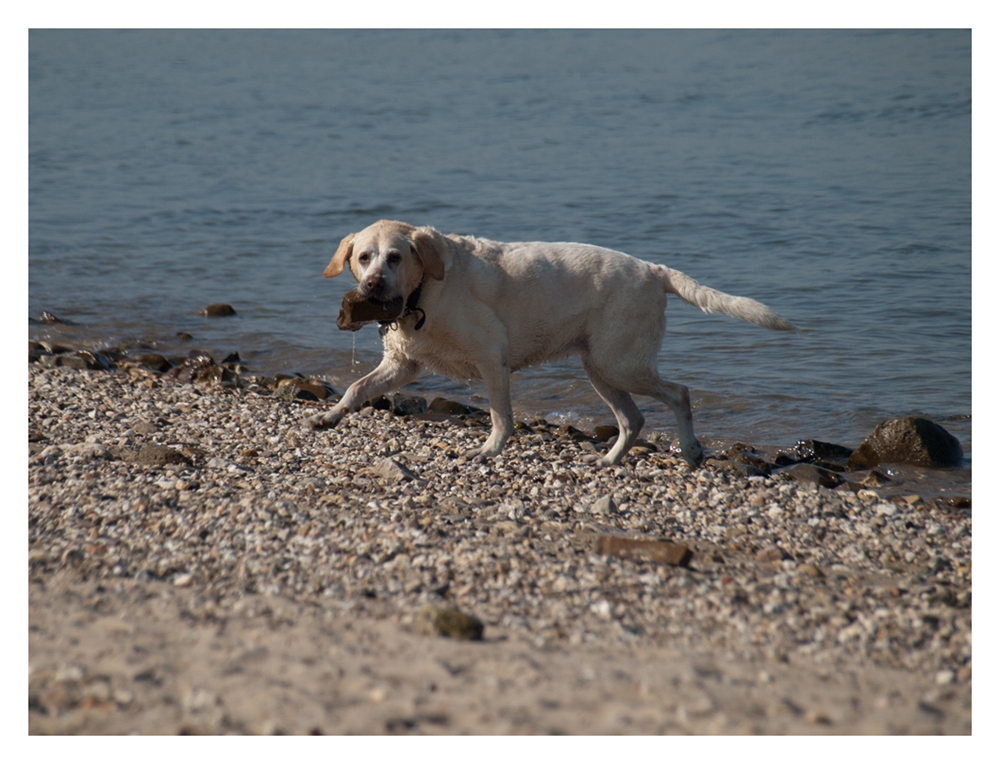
(568, 431)
(657, 550)
(604, 506)
(605, 432)
(90, 451)
(772, 554)
(808, 569)
(876, 479)
(142, 427)
(449, 622)
(391, 470)
(810, 473)
(406, 405)
(218, 310)
(740, 454)
(292, 388)
(159, 456)
(153, 361)
(813, 451)
(450, 408)
(199, 699)
(912, 440)
(956, 502)
(65, 361)
(49, 318)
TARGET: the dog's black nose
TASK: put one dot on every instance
(373, 285)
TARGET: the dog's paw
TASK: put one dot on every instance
(476, 456)
(694, 456)
(324, 421)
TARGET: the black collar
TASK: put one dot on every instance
(409, 309)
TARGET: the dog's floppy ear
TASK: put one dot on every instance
(341, 256)
(429, 244)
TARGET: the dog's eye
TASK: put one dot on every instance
(364, 257)
(393, 258)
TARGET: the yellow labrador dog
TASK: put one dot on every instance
(479, 309)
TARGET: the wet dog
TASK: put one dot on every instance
(480, 309)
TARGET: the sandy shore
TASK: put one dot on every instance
(200, 562)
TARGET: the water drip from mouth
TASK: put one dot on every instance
(354, 343)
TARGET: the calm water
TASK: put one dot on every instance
(825, 173)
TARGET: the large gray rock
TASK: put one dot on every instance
(907, 441)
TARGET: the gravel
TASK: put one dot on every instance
(143, 481)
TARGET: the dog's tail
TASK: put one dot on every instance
(714, 301)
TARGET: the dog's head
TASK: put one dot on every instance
(389, 259)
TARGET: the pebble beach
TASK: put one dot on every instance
(201, 562)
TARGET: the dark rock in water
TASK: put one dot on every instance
(955, 502)
(49, 318)
(356, 311)
(196, 362)
(153, 361)
(742, 454)
(876, 479)
(96, 361)
(218, 310)
(400, 404)
(404, 405)
(816, 450)
(68, 360)
(828, 455)
(231, 358)
(54, 348)
(912, 440)
(82, 360)
(184, 336)
(444, 406)
(212, 375)
(35, 351)
(382, 403)
(827, 464)
(293, 388)
(604, 433)
(571, 432)
(198, 358)
(810, 473)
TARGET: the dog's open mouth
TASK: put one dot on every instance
(356, 311)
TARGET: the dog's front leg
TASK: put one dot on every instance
(391, 374)
(497, 379)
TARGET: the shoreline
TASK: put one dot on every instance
(161, 507)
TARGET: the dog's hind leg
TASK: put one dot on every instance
(647, 382)
(630, 419)
(678, 400)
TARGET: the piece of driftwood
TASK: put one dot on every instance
(356, 311)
